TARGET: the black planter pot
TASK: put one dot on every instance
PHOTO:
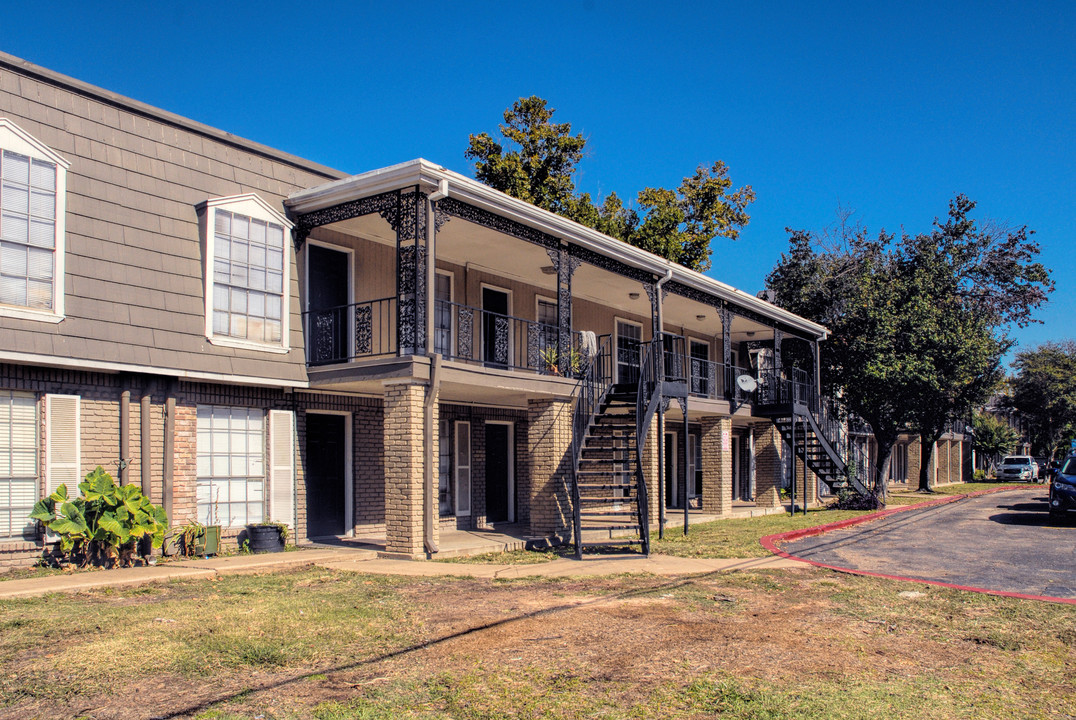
(265, 538)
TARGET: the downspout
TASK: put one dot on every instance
(168, 471)
(429, 514)
(146, 422)
(125, 437)
(661, 417)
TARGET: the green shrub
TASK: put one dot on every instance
(103, 525)
(978, 476)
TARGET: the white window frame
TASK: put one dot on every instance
(349, 467)
(674, 499)
(511, 326)
(9, 478)
(252, 206)
(451, 312)
(15, 139)
(226, 522)
(616, 340)
(511, 466)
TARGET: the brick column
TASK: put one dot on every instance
(806, 484)
(913, 462)
(549, 445)
(650, 470)
(716, 438)
(767, 465)
(403, 468)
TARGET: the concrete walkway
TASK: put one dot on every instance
(366, 561)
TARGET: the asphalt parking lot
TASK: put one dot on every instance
(1005, 541)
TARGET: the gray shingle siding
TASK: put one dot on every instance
(134, 280)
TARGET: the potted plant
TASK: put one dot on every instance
(267, 536)
(198, 539)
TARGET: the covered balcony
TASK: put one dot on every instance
(515, 299)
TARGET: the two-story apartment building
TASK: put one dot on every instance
(250, 335)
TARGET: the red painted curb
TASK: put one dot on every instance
(770, 542)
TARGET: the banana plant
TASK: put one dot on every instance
(104, 523)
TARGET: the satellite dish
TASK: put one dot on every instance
(746, 383)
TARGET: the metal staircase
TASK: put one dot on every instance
(609, 491)
(814, 429)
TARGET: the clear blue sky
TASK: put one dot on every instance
(888, 111)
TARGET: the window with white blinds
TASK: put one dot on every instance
(27, 231)
(18, 463)
(231, 465)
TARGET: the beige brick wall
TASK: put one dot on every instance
(767, 465)
(913, 461)
(403, 468)
(549, 440)
(716, 464)
(806, 484)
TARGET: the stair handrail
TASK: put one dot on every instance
(595, 379)
(651, 376)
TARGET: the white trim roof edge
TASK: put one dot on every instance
(423, 172)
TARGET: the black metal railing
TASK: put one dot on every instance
(470, 334)
(595, 379)
(343, 333)
(654, 369)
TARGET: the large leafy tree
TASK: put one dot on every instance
(536, 160)
(845, 282)
(993, 437)
(1043, 391)
(919, 325)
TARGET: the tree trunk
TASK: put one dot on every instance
(926, 454)
(881, 476)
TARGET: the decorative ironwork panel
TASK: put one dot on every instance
(465, 318)
(682, 402)
(691, 293)
(611, 264)
(406, 330)
(711, 378)
(500, 340)
(324, 332)
(533, 334)
(465, 211)
(777, 339)
(345, 211)
(364, 330)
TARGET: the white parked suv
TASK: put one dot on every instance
(1018, 467)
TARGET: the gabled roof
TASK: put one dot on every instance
(429, 176)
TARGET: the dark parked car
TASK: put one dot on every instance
(1063, 489)
(1044, 466)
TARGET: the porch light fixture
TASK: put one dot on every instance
(700, 317)
(633, 296)
(549, 270)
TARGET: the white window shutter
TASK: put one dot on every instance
(62, 454)
(463, 468)
(282, 467)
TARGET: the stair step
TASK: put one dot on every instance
(606, 486)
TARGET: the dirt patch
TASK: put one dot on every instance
(621, 641)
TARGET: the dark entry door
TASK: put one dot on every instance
(325, 475)
(495, 338)
(498, 473)
(327, 301)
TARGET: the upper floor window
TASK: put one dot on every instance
(247, 282)
(32, 183)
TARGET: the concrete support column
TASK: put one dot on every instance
(767, 465)
(549, 453)
(403, 439)
(716, 439)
